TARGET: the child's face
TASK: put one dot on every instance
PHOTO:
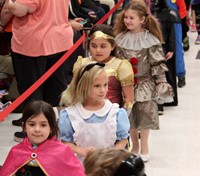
(100, 49)
(37, 129)
(99, 88)
(132, 21)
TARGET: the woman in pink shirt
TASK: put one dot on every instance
(41, 35)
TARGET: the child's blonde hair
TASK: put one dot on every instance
(107, 161)
(150, 23)
(81, 84)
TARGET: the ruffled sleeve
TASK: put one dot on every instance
(77, 64)
(123, 124)
(81, 61)
(150, 68)
(157, 60)
(65, 127)
(125, 73)
(164, 91)
(156, 54)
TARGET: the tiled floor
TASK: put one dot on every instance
(175, 148)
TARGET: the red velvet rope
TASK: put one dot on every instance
(43, 78)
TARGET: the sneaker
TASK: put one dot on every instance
(17, 122)
(160, 109)
(160, 112)
(19, 136)
(145, 158)
(197, 42)
(186, 44)
(181, 82)
(139, 136)
(193, 28)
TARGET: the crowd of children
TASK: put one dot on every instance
(116, 91)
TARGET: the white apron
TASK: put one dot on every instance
(98, 135)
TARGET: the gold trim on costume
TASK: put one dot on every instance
(100, 34)
(128, 105)
(33, 163)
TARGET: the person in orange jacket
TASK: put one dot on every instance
(183, 14)
(180, 63)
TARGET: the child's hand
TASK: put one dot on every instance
(92, 14)
(85, 150)
(169, 55)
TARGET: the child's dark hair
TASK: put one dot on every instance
(151, 23)
(36, 107)
(107, 30)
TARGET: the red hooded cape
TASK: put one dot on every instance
(54, 158)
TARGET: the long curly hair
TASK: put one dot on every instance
(151, 23)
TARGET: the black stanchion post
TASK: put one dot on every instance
(85, 43)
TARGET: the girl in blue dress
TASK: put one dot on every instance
(90, 121)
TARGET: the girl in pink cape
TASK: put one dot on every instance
(41, 153)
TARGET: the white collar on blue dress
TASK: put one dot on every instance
(101, 112)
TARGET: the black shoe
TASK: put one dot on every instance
(160, 109)
(186, 45)
(181, 81)
(17, 122)
(19, 136)
(139, 136)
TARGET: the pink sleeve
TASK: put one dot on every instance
(32, 4)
